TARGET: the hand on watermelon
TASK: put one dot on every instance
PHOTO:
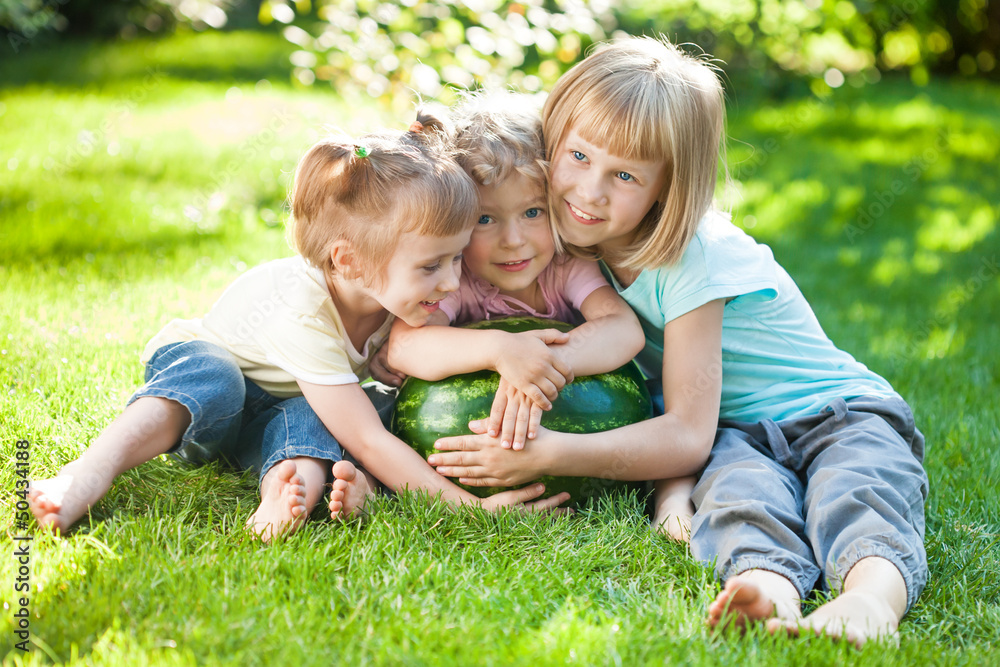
(480, 460)
(434, 418)
(513, 416)
(527, 362)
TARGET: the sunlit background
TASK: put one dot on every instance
(146, 152)
(375, 49)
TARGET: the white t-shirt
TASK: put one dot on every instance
(281, 324)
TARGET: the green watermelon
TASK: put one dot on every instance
(426, 411)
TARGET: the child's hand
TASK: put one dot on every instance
(514, 416)
(479, 460)
(528, 364)
(518, 499)
(381, 371)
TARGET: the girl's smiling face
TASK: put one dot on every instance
(599, 198)
(421, 272)
(512, 242)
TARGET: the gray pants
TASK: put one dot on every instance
(812, 496)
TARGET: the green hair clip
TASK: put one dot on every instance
(361, 151)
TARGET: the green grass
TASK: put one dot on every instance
(135, 185)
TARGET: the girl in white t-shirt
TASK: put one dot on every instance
(809, 464)
(269, 378)
(511, 268)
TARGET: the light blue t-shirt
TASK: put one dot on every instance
(776, 361)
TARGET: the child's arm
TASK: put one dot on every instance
(674, 444)
(609, 338)
(525, 359)
(351, 418)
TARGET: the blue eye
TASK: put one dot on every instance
(577, 155)
(485, 220)
(625, 176)
(532, 213)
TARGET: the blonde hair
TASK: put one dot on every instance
(645, 99)
(371, 190)
(498, 133)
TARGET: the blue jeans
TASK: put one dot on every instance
(232, 418)
(808, 498)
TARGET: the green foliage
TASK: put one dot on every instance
(388, 51)
(829, 42)
(24, 20)
(28, 17)
(373, 49)
(767, 39)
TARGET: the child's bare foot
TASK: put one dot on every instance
(147, 428)
(854, 616)
(351, 488)
(871, 606)
(59, 502)
(755, 595)
(673, 508)
(674, 521)
(282, 503)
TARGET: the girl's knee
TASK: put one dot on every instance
(208, 382)
(752, 480)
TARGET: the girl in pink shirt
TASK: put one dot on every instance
(510, 267)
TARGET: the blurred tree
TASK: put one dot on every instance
(380, 49)
(829, 42)
(371, 48)
(25, 19)
(388, 50)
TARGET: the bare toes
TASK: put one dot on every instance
(777, 626)
(285, 471)
(344, 470)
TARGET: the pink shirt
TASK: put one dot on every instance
(565, 285)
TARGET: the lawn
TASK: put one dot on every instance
(137, 179)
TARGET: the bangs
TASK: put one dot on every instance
(622, 117)
(644, 99)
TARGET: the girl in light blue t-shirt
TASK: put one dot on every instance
(809, 464)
